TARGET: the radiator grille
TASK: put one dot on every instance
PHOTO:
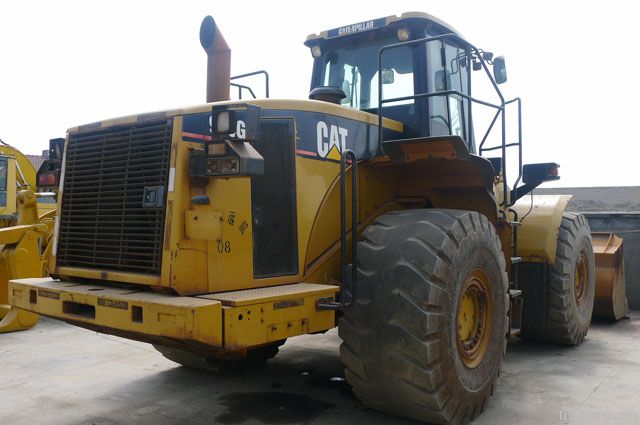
(103, 224)
(273, 201)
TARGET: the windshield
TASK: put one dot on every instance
(355, 71)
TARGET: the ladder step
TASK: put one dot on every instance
(514, 332)
(515, 293)
(516, 260)
(515, 223)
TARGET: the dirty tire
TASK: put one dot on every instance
(568, 321)
(255, 359)
(399, 339)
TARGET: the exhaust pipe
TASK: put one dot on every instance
(218, 60)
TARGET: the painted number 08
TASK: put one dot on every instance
(224, 247)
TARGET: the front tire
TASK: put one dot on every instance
(572, 286)
(419, 342)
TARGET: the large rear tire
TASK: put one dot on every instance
(255, 358)
(572, 285)
(426, 337)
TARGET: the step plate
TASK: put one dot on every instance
(273, 293)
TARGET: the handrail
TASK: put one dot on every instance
(250, 74)
(500, 108)
(332, 305)
(240, 87)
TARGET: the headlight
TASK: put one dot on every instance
(224, 166)
(223, 122)
(235, 122)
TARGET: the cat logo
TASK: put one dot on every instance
(332, 140)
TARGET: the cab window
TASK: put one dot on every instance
(355, 72)
(448, 70)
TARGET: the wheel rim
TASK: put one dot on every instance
(474, 319)
(581, 279)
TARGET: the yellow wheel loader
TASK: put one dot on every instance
(27, 224)
(218, 231)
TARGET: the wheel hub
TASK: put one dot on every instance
(474, 319)
(581, 279)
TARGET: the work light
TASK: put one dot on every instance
(403, 34)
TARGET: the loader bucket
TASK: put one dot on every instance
(14, 319)
(611, 297)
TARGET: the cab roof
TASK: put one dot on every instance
(420, 18)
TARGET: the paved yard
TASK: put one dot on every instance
(59, 374)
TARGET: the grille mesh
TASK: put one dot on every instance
(103, 224)
(273, 201)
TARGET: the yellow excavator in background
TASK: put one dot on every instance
(27, 211)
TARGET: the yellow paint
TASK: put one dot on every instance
(25, 253)
(181, 318)
(334, 154)
(538, 234)
(275, 104)
(207, 254)
(14, 319)
(24, 171)
(97, 274)
(467, 316)
(277, 318)
(225, 241)
(271, 294)
(203, 225)
(21, 260)
(251, 319)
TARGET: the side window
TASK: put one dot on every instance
(438, 109)
(397, 78)
(3, 181)
(447, 71)
(457, 74)
(346, 77)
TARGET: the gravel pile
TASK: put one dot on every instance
(599, 199)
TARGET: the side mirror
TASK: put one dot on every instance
(388, 76)
(346, 88)
(535, 174)
(442, 80)
(499, 70)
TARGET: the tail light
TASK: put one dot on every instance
(48, 180)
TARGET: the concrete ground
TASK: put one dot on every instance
(59, 374)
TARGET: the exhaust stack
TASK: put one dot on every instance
(218, 60)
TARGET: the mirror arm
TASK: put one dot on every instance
(521, 191)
